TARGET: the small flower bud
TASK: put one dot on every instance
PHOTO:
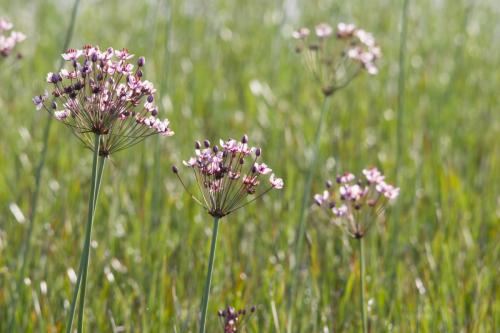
(206, 143)
(141, 61)
(244, 139)
(174, 169)
(258, 151)
(154, 112)
(328, 184)
(94, 57)
(197, 145)
(54, 105)
(215, 149)
(139, 73)
(150, 98)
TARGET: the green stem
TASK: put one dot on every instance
(82, 276)
(208, 281)
(401, 86)
(86, 253)
(302, 216)
(362, 284)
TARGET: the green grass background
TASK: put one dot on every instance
(205, 57)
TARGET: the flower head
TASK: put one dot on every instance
(100, 92)
(233, 320)
(355, 204)
(8, 42)
(228, 174)
(336, 59)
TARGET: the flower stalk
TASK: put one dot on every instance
(97, 169)
(305, 202)
(362, 284)
(208, 280)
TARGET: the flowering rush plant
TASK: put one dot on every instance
(228, 174)
(355, 203)
(335, 58)
(103, 98)
(101, 92)
(8, 42)
(233, 320)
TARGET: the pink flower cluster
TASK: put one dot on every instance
(8, 42)
(102, 92)
(335, 64)
(362, 46)
(233, 320)
(228, 173)
(355, 204)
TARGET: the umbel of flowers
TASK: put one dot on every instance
(226, 176)
(102, 92)
(8, 41)
(336, 57)
(355, 205)
(108, 105)
(232, 320)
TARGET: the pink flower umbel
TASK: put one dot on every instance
(336, 59)
(356, 204)
(233, 320)
(228, 174)
(100, 92)
(8, 41)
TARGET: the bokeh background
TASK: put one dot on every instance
(225, 68)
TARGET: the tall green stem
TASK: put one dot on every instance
(401, 86)
(362, 284)
(82, 271)
(208, 281)
(302, 215)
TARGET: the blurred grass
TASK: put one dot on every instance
(230, 69)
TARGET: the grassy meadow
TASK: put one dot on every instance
(430, 120)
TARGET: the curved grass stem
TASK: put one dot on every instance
(208, 281)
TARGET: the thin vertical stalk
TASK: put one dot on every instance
(362, 284)
(26, 245)
(88, 230)
(302, 215)
(86, 253)
(401, 86)
(208, 281)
